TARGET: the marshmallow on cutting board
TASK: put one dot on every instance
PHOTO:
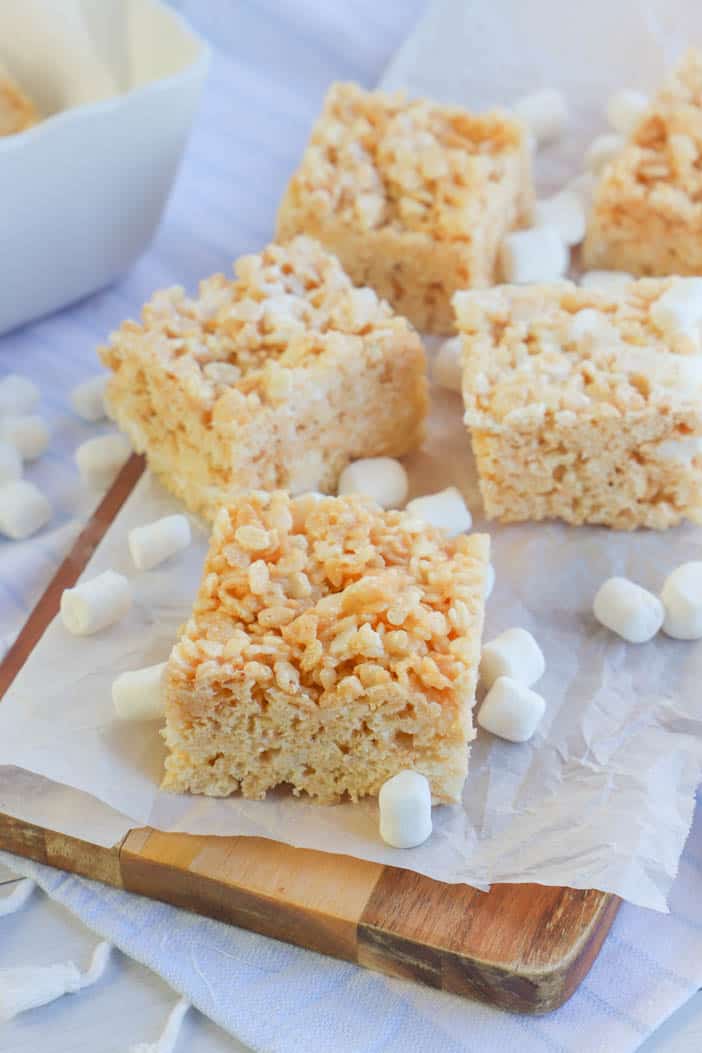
(155, 542)
(137, 694)
(95, 604)
(628, 610)
(404, 802)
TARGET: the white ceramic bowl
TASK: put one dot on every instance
(82, 192)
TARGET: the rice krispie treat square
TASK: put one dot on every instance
(276, 379)
(647, 209)
(331, 645)
(17, 112)
(584, 405)
(413, 197)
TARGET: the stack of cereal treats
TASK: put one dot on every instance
(334, 644)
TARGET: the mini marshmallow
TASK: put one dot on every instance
(544, 112)
(28, 434)
(682, 598)
(10, 463)
(100, 459)
(511, 710)
(445, 509)
(23, 509)
(93, 605)
(88, 398)
(601, 151)
(624, 109)
(137, 694)
(679, 309)
(382, 478)
(152, 544)
(448, 369)
(405, 810)
(611, 282)
(589, 326)
(536, 255)
(489, 581)
(17, 394)
(515, 654)
(684, 450)
(565, 212)
(628, 610)
(583, 185)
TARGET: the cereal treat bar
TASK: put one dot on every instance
(276, 379)
(586, 405)
(331, 645)
(414, 198)
(647, 210)
(17, 112)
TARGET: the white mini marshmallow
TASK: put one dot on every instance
(23, 509)
(155, 542)
(583, 185)
(445, 509)
(137, 694)
(564, 211)
(624, 109)
(514, 653)
(382, 478)
(100, 459)
(28, 434)
(10, 463)
(628, 610)
(17, 394)
(536, 255)
(511, 710)
(544, 112)
(601, 151)
(684, 450)
(679, 309)
(88, 398)
(93, 605)
(612, 282)
(405, 810)
(589, 327)
(489, 581)
(682, 598)
(448, 369)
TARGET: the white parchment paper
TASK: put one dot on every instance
(603, 795)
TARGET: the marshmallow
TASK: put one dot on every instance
(27, 433)
(137, 694)
(151, 544)
(88, 398)
(682, 598)
(511, 710)
(405, 810)
(565, 212)
(100, 459)
(515, 654)
(601, 151)
(10, 463)
(93, 605)
(679, 309)
(624, 109)
(382, 478)
(589, 326)
(683, 450)
(445, 509)
(583, 185)
(23, 509)
(489, 581)
(611, 282)
(17, 394)
(544, 112)
(628, 610)
(448, 369)
(536, 255)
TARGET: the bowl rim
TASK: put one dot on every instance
(198, 67)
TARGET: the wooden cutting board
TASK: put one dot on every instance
(521, 947)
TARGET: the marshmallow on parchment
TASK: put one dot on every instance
(544, 112)
(18, 394)
(10, 463)
(624, 109)
(404, 802)
(88, 398)
(628, 610)
(445, 509)
(27, 432)
(682, 599)
(95, 604)
(382, 478)
(23, 509)
(137, 695)
(536, 255)
(564, 211)
(155, 542)
(511, 710)
(448, 368)
(100, 459)
(515, 654)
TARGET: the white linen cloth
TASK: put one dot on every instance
(272, 65)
